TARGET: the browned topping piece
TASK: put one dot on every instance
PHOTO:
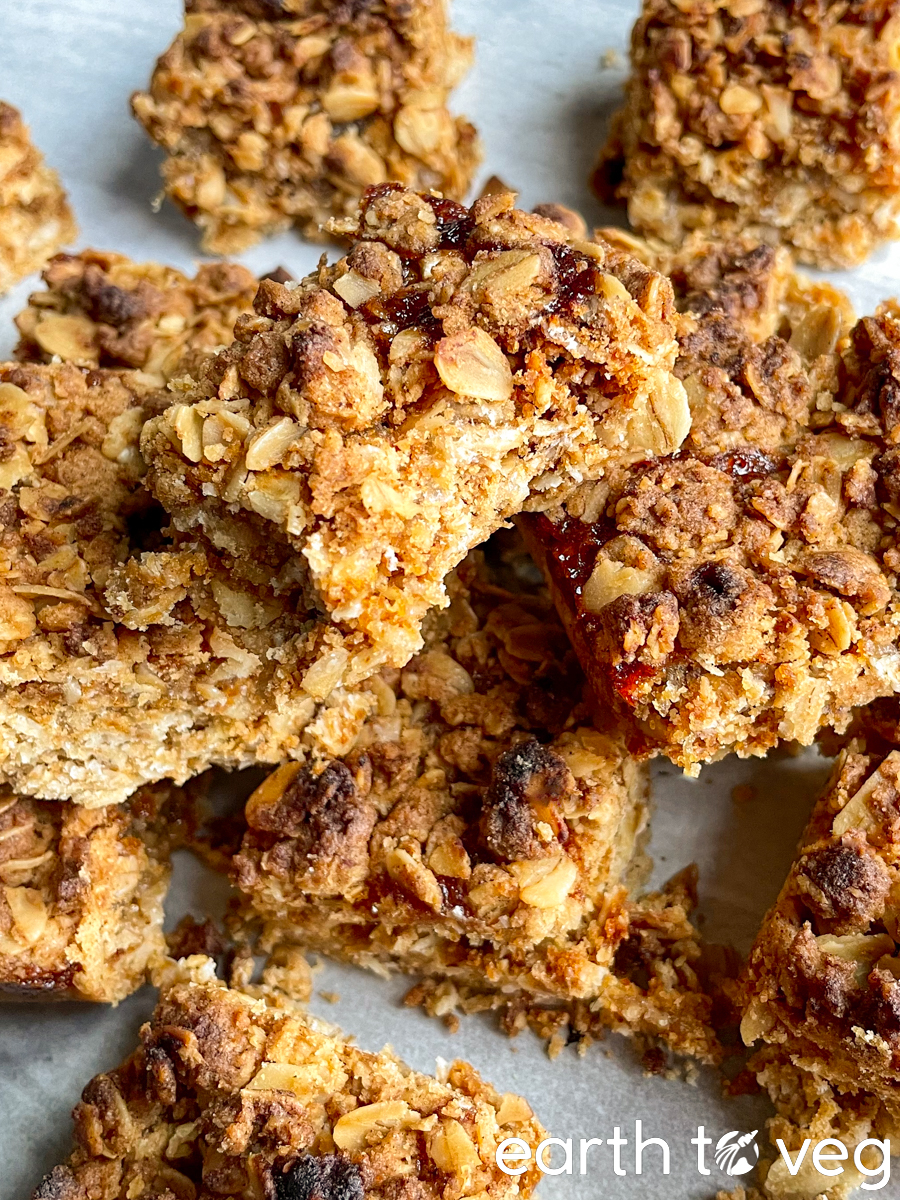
(374, 422)
(253, 1097)
(744, 590)
(774, 120)
(280, 114)
(481, 833)
(81, 893)
(35, 219)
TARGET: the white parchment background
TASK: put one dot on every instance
(540, 98)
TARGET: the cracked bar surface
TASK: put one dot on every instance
(100, 309)
(81, 894)
(484, 834)
(35, 219)
(821, 986)
(373, 423)
(273, 114)
(744, 591)
(239, 1097)
(772, 120)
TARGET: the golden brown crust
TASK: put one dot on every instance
(100, 309)
(775, 120)
(35, 219)
(261, 1100)
(744, 590)
(373, 423)
(81, 894)
(279, 114)
(483, 833)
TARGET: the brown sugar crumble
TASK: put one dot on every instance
(374, 422)
(279, 114)
(35, 219)
(242, 1096)
(778, 121)
(744, 591)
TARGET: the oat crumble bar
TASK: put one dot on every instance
(281, 112)
(482, 833)
(744, 591)
(35, 219)
(233, 1096)
(81, 894)
(373, 423)
(821, 985)
(99, 309)
(127, 656)
(756, 117)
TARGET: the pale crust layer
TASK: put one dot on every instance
(274, 114)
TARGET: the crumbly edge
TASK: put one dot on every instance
(373, 423)
(35, 218)
(362, 98)
(744, 592)
(776, 124)
(266, 1098)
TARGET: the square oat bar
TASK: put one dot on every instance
(35, 219)
(744, 591)
(82, 891)
(773, 120)
(373, 423)
(273, 114)
(258, 1100)
(484, 834)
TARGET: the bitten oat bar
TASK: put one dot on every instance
(35, 220)
(822, 984)
(234, 1097)
(280, 113)
(745, 590)
(373, 423)
(776, 120)
(102, 309)
(482, 833)
(125, 658)
(81, 894)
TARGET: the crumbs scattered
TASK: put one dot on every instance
(330, 997)
(611, 60)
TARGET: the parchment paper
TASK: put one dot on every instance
(540, 98)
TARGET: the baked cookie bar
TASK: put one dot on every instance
(373, 423)
(99, 309)
(745, 590)
(254, 1099)
(774, 120)
(821, 986)
(125, 656)
(482, 833)
(35, 219)
(273, 114)
(81, 894)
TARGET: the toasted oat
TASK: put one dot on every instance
(277, 114)
(81, 894)
(761, 118)
(373, 423)
(35, 219)
(745, 591)
(264, 1102)
(482, 833)
(102, 309)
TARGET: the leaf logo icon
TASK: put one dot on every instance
(736, 1152)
